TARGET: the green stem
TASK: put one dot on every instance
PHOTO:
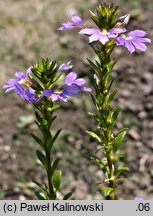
(111, 176)
(47, 116)
(49, 175)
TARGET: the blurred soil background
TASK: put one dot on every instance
(28, 32)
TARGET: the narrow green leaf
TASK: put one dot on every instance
(40, 195)
(111, 96)
(93, 64)
(55, 107)
(67, 196)
(95, 158)
(94, 135)
(116, 113)
(39, 119)
(112, 64)
(93, 99)
(56, 135)
(37, 140)
(106, 191)
(120, 171)
(41, 158)
(57, 179)
(54, 166)
(37, 80)
(118, 139)
(37, 183)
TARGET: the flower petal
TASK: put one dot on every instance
(94, 37)
(144, 40)
(129, 46)
(47, 92)
(20, 75)
(54, 97)
(120, 41)
(87, 89)
(137, 33)
(79, 81)
(63, 97)
(103, 39)
(117, 30)
(71, 89)
(70, 78)
(76, 20)
(139, 45)
(89, 31)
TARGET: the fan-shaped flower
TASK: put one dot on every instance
(133, 40)
(21, 79)
(103, 36)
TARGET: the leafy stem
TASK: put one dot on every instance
(106, 118)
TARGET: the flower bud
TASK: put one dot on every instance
(123, 20)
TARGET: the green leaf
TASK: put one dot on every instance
(56, 135)
(41, 158)
(95, 158)
(93, 99)
(54, 166)
(55, 107)
(111, 96)
(92, 64)
(67, 196)
(37, 140)
(94, 135)
(118, 139)
(120, 171)
(38, 184)
(40, 195)
(57, 179)
(38, 117)
(48, 138)
(106, 191)
(37, 80)
(116, 113)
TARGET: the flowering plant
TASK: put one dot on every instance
(39, 86)
(109, 33)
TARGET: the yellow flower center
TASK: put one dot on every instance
(104, 32)
(24, 82)
(126, 37)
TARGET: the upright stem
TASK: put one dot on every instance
(111, 184)
(101, 96)
(47, 122)
(51, 189)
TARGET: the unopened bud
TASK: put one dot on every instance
(123, 20)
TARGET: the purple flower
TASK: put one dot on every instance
(71, 88)
(54, 95)
(73, 85)
(18, 85)
(21, 79)
(138, 198)
(65, 66)
(76, 22)
(102, 36)
(133, 40)
(28, 94)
